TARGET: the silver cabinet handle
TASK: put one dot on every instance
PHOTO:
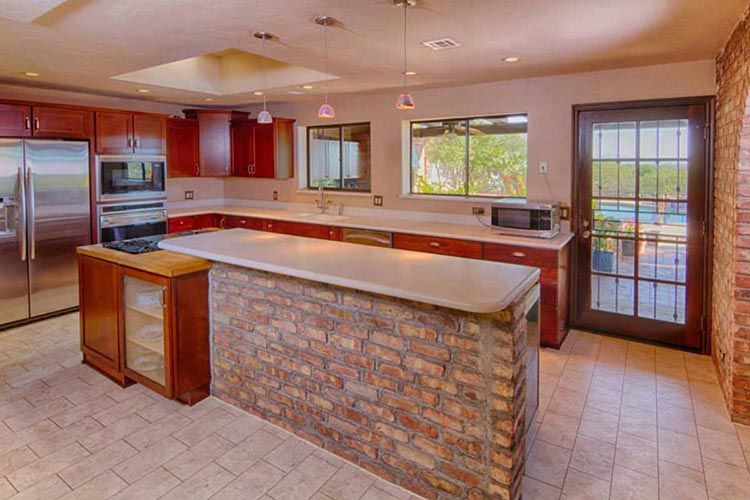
(518, 254)
(249, 169)
(32, 214)
(136, 142)
(130, 142)
(37, 125)
(243, 222)
(223, 222)
(270, 225)
(435, 244)
(22, 226)
(197, 169)
(27, 123)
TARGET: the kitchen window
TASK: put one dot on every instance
(338, 157)
(485, 156)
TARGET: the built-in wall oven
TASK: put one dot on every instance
(134, 219)
(120, 178)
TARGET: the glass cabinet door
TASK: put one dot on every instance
(144, 310)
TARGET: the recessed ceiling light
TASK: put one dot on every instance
(409, 73)
(511, 59)
(208, 99)
(307, 87)
(257, 92)
(143, 91)
(31, 73)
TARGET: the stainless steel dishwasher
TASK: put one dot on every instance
(368, 237)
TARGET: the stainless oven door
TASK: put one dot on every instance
(130, 177)
(114, 227)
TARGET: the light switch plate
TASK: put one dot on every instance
(275, 195)
(188, 195)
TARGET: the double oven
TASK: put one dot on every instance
(131, 196)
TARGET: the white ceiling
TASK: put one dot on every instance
(82, 44)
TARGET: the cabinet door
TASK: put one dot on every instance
(204, 221)
(15, 121)
(146, 323)
(149, 134)
(214, 144)
(243, 149)
(265, 150)
(444, 246)
(99, 334)
(114, 133)
(182, 148)
(62, 123)
(318, 231)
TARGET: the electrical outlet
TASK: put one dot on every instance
(188, 195)
(477, 210)
(564, 211)
(275, 195)
(543, 167)
(377, 200)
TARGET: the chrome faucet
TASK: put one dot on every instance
(322, 202)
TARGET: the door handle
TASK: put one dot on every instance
(130, 142)
(586, 234)
(21, 229)
(135, 143)
(37, 125)
(32, 213)
(434, 244)
(249, 169)
(27, 123)
(197, 169)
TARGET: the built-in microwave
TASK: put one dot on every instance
(122, 178)
(539, 220)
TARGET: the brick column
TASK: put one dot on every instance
(429, 398)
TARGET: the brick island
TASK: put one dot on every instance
(413, 366)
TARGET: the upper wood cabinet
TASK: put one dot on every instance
(263, 150)
(127, 133)
(215, 143)
(182, 148)
(15, 120)
(45, 121)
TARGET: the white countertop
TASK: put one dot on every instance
(475, 232)
(469, 285)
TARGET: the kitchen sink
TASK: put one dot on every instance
(323, 217)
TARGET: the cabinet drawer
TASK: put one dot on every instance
(445, 246)
(525, 256)
(303, 229)
(177, 224)
(233, 221)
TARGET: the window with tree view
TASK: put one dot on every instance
(338, 157)
(470, 156)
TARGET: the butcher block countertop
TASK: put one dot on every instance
(161, 262)
(471, 285)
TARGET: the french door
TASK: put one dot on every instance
(641, 183)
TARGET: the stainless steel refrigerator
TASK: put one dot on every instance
(44, 216)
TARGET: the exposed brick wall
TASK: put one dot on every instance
(731, 271)
(428, 398)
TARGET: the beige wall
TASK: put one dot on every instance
(547, 101)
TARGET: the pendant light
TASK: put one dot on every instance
(405, 100)
(326, 110)
(264, 116)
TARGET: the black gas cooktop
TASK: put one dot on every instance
(147, 244)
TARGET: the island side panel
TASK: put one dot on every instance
(429, 398)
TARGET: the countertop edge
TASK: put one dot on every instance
(160, 269)
(542, 244)
(482, 308)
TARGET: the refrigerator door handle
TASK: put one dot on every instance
(22, 225)
(31, 213)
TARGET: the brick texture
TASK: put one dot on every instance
(731, 267)
(429, 398)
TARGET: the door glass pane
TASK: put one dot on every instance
(611, 294)
(662, 260)
(144, 328)
(325, 152)
(661, 301)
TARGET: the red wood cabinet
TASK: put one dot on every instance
(214, 139)
(15, 120)
(444, 246)
(303, 229)
(193, 222)
(234, 221)
(263, 150)
(182, 148)
(65, 123)
(125, 133)
(45, 121)
(553, 265)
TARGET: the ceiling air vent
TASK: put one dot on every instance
(442, 44)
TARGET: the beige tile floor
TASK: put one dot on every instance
(625, 420)
(618, 420)
(68, 432)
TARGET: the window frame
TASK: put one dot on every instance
(340, 127)
(466, 194)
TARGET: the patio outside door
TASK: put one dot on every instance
(641, 175)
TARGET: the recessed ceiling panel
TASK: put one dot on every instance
(25, 11)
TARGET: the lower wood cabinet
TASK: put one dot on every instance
(149, 329)
(444, 246)
(318, 231)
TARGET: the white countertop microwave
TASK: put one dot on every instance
(534, 219)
